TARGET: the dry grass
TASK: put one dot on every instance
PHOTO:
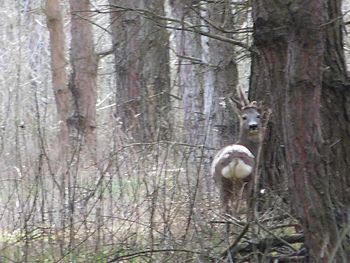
(149, 197)
(152, 203)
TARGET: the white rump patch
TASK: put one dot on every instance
(229, 149)
(237, 169)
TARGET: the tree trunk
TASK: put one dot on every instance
(187, 77)
(220, 80)
(63, 104)
(142, 69)
(220, 77)
(293, 42)
(83, 78)
(59, 75)
(266, 83)
(155, 81)
(335, 113)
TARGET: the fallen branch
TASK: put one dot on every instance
(248, 247)
(235, 243)
(147, 252)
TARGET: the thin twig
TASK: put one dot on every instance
(146, 252)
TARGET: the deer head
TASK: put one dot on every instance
(250, 126)
(250, 130)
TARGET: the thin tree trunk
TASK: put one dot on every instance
(62, 98)
(83, 78)
(59, 75)
(220, 78)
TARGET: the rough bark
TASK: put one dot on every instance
(220, 79)
(335, 115)
(267, 81)
(155, 81)
(294, 41)
(126, 27)
(83, 78)
(301, 125)
(142, 69)
(336, 103)
(187, 78)
(219, 83)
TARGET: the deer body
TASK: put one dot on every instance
(234, 162)
(233, 166)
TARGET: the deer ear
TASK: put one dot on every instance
(260, 105)
(254, 104)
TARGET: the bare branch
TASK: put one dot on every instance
(184, 25)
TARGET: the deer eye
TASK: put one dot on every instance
(244, 117)
(258, 116)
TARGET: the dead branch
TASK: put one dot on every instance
(251, 246)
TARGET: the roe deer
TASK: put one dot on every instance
(233, 166)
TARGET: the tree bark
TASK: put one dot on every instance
(63, 98)
(155, 79)
(126, 27)
(220, 77)
(142, 68)
(266, 83)
(335, 108)
(187, 78)
(220, 80)
(335, 113)
(307, 90)
(59, 75)
(83, 78)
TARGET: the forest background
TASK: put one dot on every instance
(111, 112)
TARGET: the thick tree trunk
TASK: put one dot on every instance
(187, 77)
(301, 126)
(83, 77)
(335, 113)
(155, 78)
(142, 69)
(126, 27)
(294, 42)
(267, 82)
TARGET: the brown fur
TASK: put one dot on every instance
(234, 189)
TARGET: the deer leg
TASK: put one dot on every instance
(225, 200)
(226, 195)
(240, 198)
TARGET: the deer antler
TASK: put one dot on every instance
(239, 99)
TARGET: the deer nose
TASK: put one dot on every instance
(253, 126)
